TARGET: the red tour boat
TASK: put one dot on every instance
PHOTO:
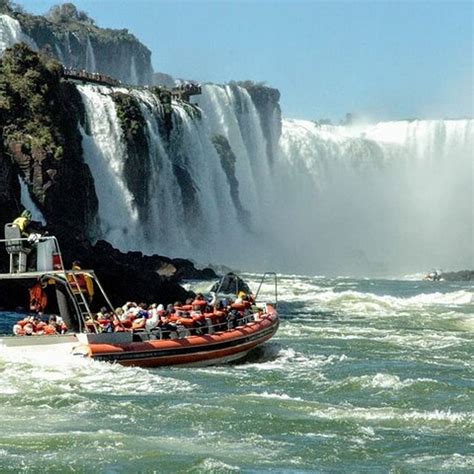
(203, 336)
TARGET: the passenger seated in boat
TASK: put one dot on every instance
(130, 308)
(167, 326)
(52, 327)
(119, 312)
(232, 318)
(105, 320)
(153, 319)
(240, 297)
(29, 329)
(141, 317)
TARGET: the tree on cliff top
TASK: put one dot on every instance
(5, 6)
(28, 88)
(67, 12)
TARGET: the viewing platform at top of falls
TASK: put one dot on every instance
(86, 76)
(182, 92)
(185, 91)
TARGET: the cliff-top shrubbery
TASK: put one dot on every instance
(66, 18)
(39, 115)
(29, 85)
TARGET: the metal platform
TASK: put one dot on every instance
(34, 275)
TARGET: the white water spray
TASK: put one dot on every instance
(387, 199)
(11, 33)
(393, 197)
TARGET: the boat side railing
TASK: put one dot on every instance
(275, 280)
(27, 244)
(181, 332)
(264, 277)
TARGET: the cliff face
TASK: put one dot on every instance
(40, 119)
(78, 43)
(267, 101)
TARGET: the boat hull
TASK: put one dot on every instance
(202, 350)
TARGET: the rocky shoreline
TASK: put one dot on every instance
(462, 275)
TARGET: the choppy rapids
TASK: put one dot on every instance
(363, 375)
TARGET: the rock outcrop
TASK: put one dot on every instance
(266, 100)
(39, 117)
(462, 275)
(72, 37)
(40, 114)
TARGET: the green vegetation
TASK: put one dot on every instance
(192, 110)
(29, 88)
(130, 115)
(164, 96)
(67, 12)
(39, 116)
(137, 163)
(66, 18)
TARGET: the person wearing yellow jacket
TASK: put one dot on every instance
(84, 281)
(22, 222)
(32, 230)
(28, 227)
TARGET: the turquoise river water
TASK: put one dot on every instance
(362, 376)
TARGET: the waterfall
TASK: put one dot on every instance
(104, 152)
(133, 71)
(28, 203)
(91, 65)
(383, 199)
(165, 227)
(11, 33)
(230, 112)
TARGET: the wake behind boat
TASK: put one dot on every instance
(200, 332)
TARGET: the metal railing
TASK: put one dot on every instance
(58, 273)
(275, 278)
(31, 245)
(181, 331)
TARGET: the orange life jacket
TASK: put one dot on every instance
(38, 298)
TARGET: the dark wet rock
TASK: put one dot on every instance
(228, 160)
(39, 121)
(463, 275)
(73, 38)
(137, 163)
(231, 283)
(266, 100)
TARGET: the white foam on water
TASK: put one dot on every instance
(385, 381)
(447, 463)
(214, 465)
(56, 367)
(277, 396)
(397, 415)
(371, 301)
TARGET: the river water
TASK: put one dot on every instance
(363, 375)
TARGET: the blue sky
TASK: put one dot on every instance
(384, 60)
